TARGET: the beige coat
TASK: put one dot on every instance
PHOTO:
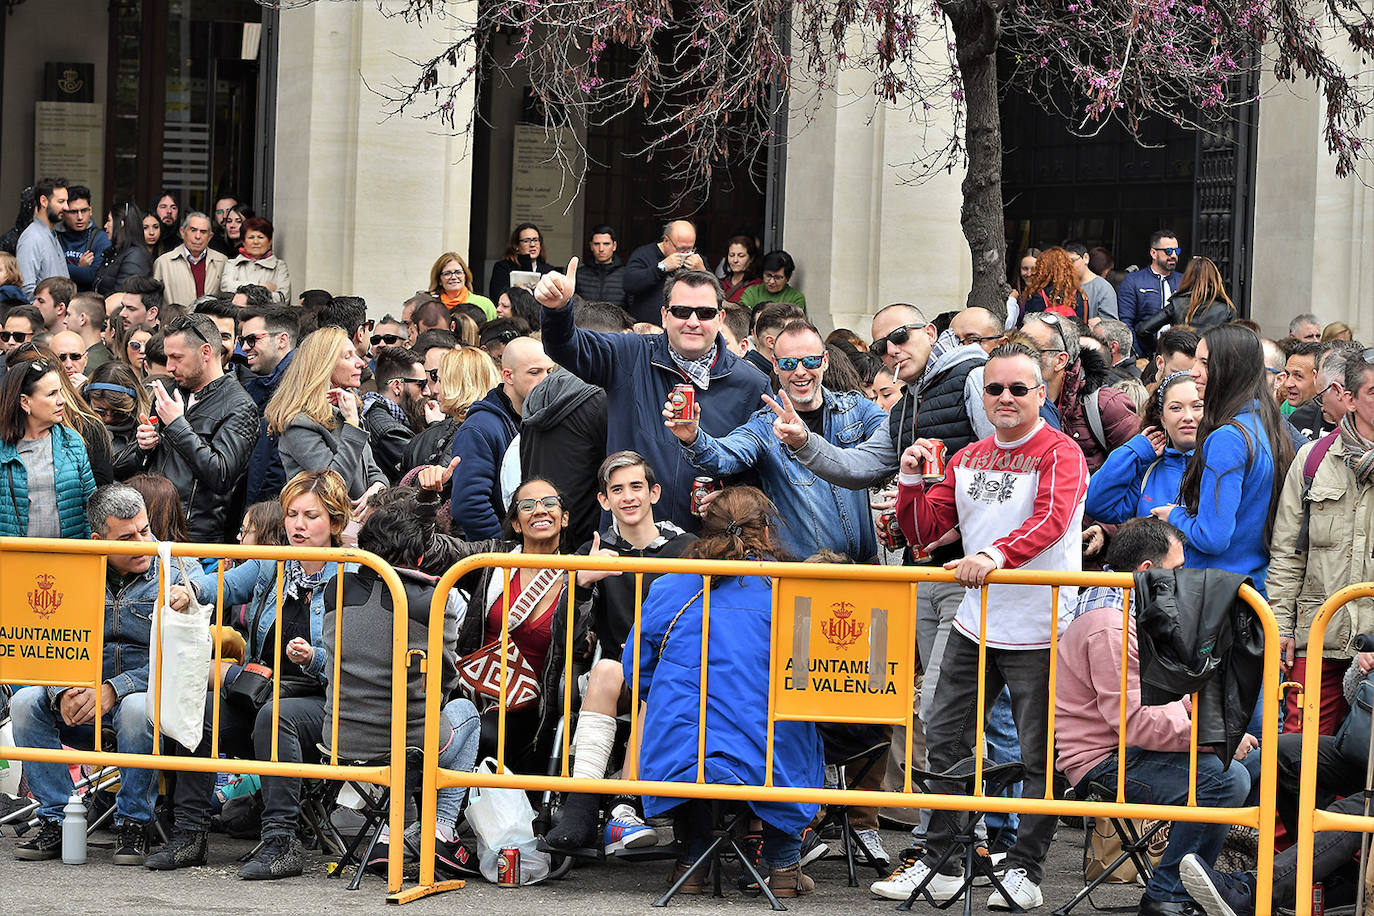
(1340, 541)
(173, 271)
(242, 271)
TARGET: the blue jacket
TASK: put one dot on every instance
(736, 697)
(481, 442)
(265, 476)
(128, 628)
(254, 583)
(638, 375)
(1233, 501)
(1120, 491)
(71, 474)
(814, 513)
(75, 244)
(1140, 295)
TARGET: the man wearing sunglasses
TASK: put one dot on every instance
(267, 337)
(639, 371)
(1144, 292)
(22, 323)
(395, 412)
(815, 515)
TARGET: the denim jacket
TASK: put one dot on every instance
(128, 628)
(254, 583)
(814, 513)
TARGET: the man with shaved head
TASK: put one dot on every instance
(70, 350)
(651, 264)
(481, 442)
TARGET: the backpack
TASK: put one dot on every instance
(1309, 471)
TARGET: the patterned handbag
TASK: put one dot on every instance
(479, 674)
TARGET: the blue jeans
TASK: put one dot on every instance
(1002, 746)
(460, 753)
(36, 724)
(1161, 778)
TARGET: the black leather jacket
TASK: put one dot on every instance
(1196, 635)
(1176, 309)
(205, 452)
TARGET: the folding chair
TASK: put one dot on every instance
(375, 811)
(862, 761)
(1135, 848)
(997, 778)
(726, 834)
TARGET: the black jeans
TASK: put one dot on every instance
(1337, 775)
(246, 734)
(1330, 850)
(950, 734)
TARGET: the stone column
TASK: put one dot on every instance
(364, 202)
(862, 235)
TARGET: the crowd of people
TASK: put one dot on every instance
(183, 392)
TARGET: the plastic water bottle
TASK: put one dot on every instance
(74, 832)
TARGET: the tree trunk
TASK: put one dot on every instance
(976, 33)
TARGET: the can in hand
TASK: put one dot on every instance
(889, 532)
(933, 468)
(701, 487)
(508, 867)
(682, 404)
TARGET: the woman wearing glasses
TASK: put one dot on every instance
(45, 475)
(254, 263)
(77, 415)
(450, 281)
(534, 526)
(118, 399)
(314, 414)
(525, 252)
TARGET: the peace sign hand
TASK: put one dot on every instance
(554, 289)
(788, 427)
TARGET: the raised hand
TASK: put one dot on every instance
(1157, 439)
(586, 577)
(554, 289)
(169, 406)
(916, 455)
(789, 428)
(436, 476)
(346, 401)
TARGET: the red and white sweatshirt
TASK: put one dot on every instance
(1021, 503)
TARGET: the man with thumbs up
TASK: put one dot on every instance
(639, 371)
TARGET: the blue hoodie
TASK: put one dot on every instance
(1120, 491)
(481, 442)
(1233, 501)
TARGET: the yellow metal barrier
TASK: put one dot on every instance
(60, 586)
(1310, 819)
(898, 589)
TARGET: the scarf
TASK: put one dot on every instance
(297, 582)
(698, 371)
(396, 410)
(453, 300)
(265, 254)
(1359, 451)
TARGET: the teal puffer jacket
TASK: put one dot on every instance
(72, 475)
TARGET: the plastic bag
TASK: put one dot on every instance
(502, 818)
(184, 643)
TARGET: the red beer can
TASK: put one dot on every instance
(682, 403)
(889, 532)
(933, 468)
(1318, 900)
(701, 486)
(508, 867)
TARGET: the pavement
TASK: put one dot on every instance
(612, 886)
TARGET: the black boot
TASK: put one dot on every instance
(45, 844)
(280, 857)
(132, 845)
(186, 847)
(577, 823)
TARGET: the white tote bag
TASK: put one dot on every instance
(183, 642)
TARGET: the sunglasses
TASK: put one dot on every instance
(1171, 251)
(70, 357)
(39, 367)
(185, 325)
(995, 389)
(433, 374)
(412, 381)
(1053, 320)
(974, 338)
(548, 502)
(251, 341)
(389, 339)
(789, 363)
(139, 344)
(684, 312)
(897, 337)
(16, 336)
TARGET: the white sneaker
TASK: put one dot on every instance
(1022, 891)
(873, 842)
(909, 875)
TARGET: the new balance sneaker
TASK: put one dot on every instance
(627, 830)
(1219, 894)
(44, 845)
(909, 875)
(812, 846)
(1021, 892)
(873, 842)
(454, 860)
(185, 848)
(280, 857)
(131, 845)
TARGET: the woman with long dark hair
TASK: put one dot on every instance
(525, 252)
(1231, 486)
(1200, 302)
(740, 524)
(127, 255)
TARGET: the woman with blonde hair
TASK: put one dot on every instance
(1337, 330)
(465, 377)
(1200, 303)
(450, 281)
(314, 414)
(11, 281)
